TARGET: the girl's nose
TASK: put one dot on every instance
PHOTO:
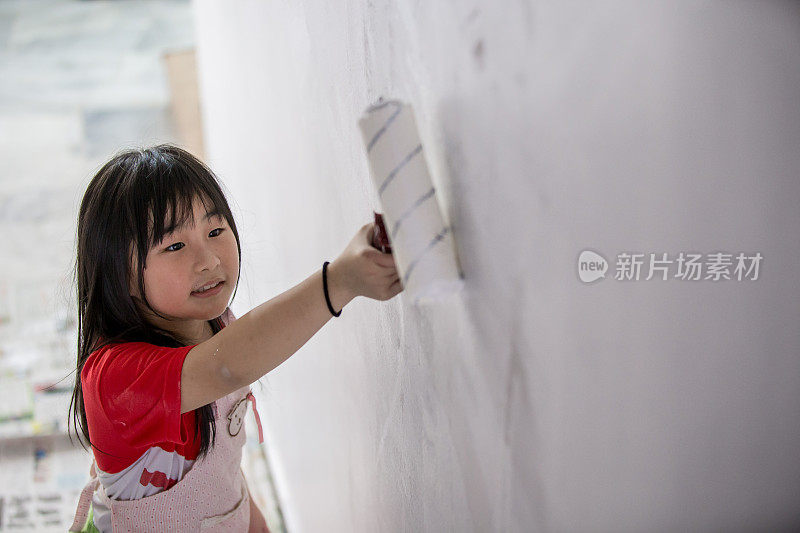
(207, 259)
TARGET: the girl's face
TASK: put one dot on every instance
(187, 260)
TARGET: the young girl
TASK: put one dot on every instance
(164, 369)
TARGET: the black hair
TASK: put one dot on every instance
(122, 215)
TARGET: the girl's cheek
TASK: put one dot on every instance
(232, 254)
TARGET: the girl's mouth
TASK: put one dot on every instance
(215, 289)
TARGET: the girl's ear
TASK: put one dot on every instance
(133, 290)
(133, 285)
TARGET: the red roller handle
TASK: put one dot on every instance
(380, 238)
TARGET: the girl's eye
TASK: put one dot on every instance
(171, 249)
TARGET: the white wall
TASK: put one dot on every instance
(531, 401)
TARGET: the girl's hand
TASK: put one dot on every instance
(366, 271)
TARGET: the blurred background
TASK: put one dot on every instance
(79, 81)
(531, 401)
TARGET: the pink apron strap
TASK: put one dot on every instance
(228, 317)
(84, 502)
(258, 418)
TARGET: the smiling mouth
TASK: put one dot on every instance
(208, 288)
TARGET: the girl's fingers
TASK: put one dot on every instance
(382, 259)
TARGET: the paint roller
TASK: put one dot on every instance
(411, 225)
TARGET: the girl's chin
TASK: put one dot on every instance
(215, 305)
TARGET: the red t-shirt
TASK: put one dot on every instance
(132, 397)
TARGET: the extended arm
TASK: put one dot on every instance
(265, 337)
(260, 340)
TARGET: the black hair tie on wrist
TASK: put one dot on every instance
(325, 287)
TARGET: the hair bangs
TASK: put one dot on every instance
(171, 199)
